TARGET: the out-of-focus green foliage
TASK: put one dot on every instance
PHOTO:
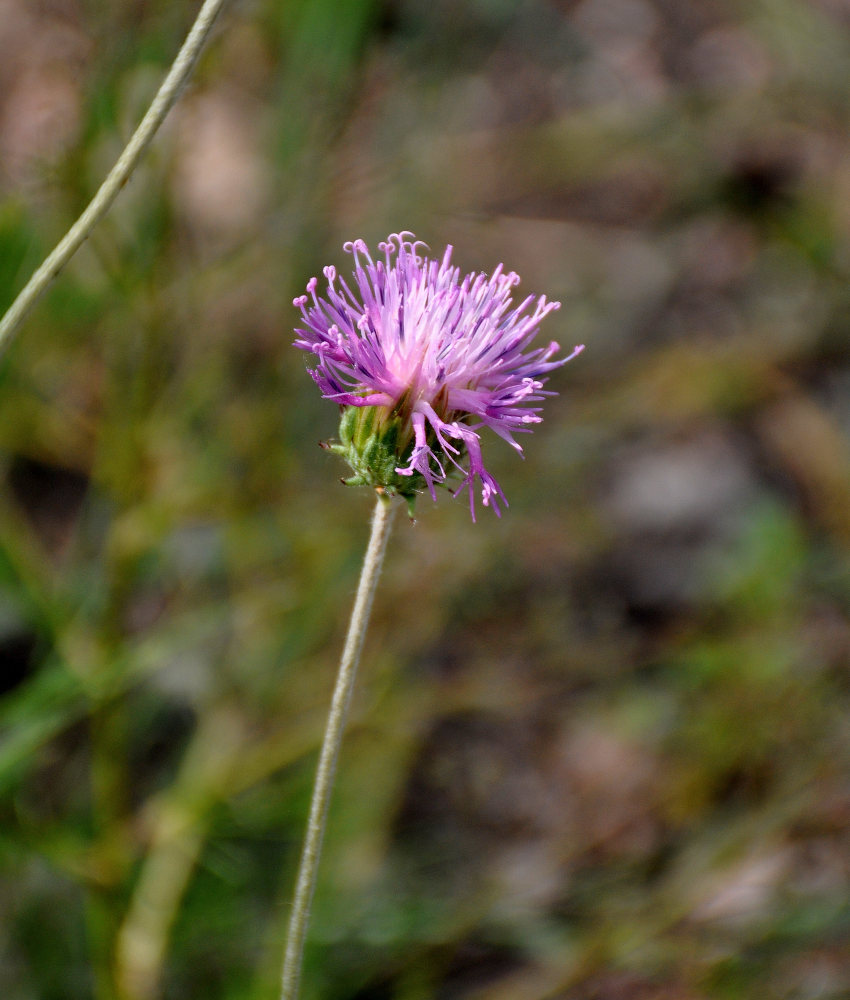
(600, 747)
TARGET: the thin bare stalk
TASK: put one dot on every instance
(306, 883)
(165, 99)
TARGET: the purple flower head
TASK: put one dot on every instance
(422, 359)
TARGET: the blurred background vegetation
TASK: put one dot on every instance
(600, 748)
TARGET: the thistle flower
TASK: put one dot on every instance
(421, 360)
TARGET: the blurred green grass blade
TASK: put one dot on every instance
(59, 696)
(33, 715)
(20, 252)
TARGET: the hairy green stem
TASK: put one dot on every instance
(306, 883)
(165, 99)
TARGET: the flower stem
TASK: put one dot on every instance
(165, 99)
(306, 883)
